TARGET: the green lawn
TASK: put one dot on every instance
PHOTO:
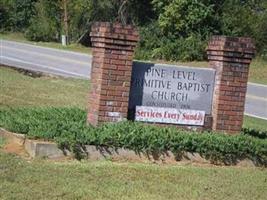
(2, 142)
(257, 74)
(17, 89)
(258, 124)
(258, 71)
(19, 37)
(40, 179)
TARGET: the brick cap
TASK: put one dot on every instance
(113, 25)
(231, 44)
(114, 31)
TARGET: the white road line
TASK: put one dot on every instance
(251, 115)
(47, 48)
(48, 56)
(256, 97)
(257, 84)
(45, 67)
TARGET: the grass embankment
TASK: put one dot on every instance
(19, 37)
(107, 180)
(257, 73)
(17, 89)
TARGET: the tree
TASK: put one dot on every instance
(246, 18)
(16, 16)
(184, 17)
(45, 25)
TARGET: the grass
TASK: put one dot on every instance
(18, 89)
(254, 123)
(42, 179)
(257, 74)
(258, 71)
(2, 141)
(19, 37)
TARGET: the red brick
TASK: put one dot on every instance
(231, 58)
(113, 46)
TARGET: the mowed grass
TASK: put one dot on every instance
(258, 71)
(17, 89)
(255, 123)
(2, 141)
(40, 179)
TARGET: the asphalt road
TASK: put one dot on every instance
(48, 60)
(78, 65)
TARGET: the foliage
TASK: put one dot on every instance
(255, 24)
(46, 24)
(156, 45)
(255, 133)
(179, 29)
(16, 16)
(51, 122)
(184, 17)
(68, 127)
(82, 13)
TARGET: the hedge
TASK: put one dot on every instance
(67, 126)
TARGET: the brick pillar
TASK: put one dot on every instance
(113, 49)
(230, 57)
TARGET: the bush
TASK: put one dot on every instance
(41, 30)
(255, 133)
(16, 16)
(46, 24)
(68, 127)
(154, 44)
(45, 123)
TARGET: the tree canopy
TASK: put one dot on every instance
(170, 29)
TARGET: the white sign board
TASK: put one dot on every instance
(169, 115)
(169, 86)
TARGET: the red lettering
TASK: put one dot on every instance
(195, 117)
(138, 113)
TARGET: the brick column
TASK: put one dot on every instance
(113, 49)
(230, 57)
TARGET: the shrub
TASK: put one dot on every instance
(68, 127)
(46, 24)
(16, 16)
(255, 133)
(154, 44)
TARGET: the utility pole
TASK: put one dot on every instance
(66, 26)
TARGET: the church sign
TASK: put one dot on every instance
(211, 98)
(172, 87)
